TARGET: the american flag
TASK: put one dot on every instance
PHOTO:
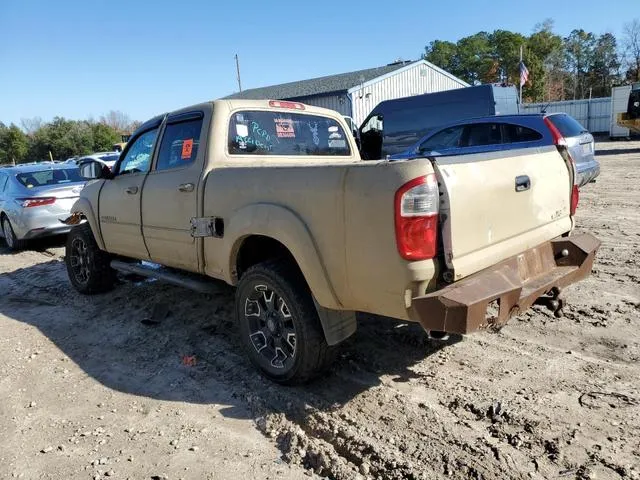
(524, 73)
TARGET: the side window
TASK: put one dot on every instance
(138, 157)
(444, 139)
(374, 123)
(479, 134)
(180, 143)
(3, 182)
(371, 138)
(518, 133)
(286, 133)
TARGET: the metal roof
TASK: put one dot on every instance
(316, 86)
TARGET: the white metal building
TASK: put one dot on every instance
(594, 114)
(355, 94)
(619, 102)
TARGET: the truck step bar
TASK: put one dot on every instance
(191, 281)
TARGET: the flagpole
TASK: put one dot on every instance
(520, 76)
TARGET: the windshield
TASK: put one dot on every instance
(43, 178)
(110, 158)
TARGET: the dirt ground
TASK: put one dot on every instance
(110, 386)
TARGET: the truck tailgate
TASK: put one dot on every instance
(496, 205)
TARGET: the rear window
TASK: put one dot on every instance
(49, 177)
(285, 133)
(568, 126)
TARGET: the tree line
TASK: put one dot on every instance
(61, 138)
(577, 66)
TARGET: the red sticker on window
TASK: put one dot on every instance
(284, 128)
(187, 147)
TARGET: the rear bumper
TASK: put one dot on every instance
(587, 172)
(515, 283)
(38, 223)
(47, 231)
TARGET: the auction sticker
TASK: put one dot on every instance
(284, 128)
(187, 148)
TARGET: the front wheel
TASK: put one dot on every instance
(88, 267)
(279, 323)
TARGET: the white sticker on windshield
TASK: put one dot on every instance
(239, 118)
(242, 130)
(333, 129)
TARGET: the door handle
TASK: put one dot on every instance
(186, 187)
(131, 190)
(523, 182)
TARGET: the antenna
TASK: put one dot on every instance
(238, 71)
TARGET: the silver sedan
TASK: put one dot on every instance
(33, 199)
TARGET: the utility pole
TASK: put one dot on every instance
(238, 72)
(520, 78)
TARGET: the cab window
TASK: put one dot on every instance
(286, 133)
(180, 143)
(138, 156)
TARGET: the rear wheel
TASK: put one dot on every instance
(88, 266)
(279, 323)
(10, 237)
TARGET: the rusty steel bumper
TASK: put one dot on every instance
(515, 283)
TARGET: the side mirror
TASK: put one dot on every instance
(92, 170)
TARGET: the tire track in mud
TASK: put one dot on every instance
(314, 425)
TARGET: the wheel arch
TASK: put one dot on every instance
(282, 231)
(258, 232)
(83, 207)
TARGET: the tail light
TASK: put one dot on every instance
(561, 144)
(575, 197)
(35, 202)
(416, 218)
(558, 138)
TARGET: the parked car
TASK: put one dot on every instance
(511, 132)
(107, 158)
(281, 205)
(394, 125)
(33, 199)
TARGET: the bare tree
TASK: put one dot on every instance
(133, 126)
(31, 125)
(632, 46)
(117, 120)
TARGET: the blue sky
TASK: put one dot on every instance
(82, 58)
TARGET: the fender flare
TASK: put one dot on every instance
(281, 224)
(83, 206)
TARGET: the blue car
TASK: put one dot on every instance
(511, 132)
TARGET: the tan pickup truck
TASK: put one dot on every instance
(272, 197)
